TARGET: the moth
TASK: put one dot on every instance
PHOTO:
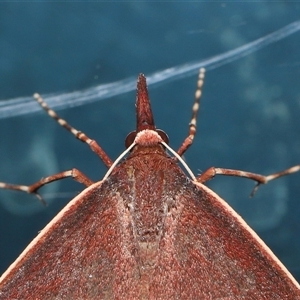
(149, 229)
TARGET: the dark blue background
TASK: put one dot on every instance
(249, 116)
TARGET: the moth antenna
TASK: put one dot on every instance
(180, 159)
(117, 160)
(78, 134)
(193, 124)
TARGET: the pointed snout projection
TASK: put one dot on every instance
(144, 115)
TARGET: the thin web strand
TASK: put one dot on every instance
(25, 105)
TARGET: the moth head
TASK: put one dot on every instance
(144, 115)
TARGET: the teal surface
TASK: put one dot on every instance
(249, 116)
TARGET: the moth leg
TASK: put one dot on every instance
(260, 179)
(32, 189)
(192, 131)
(78, 134)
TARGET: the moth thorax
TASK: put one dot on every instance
(148, 137)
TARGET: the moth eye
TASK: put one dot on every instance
(163, 135)
(130, 138)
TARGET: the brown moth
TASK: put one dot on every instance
(147, 231)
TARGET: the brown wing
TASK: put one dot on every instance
(137, 236)
(222, 257)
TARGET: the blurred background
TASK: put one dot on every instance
(249, 116)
